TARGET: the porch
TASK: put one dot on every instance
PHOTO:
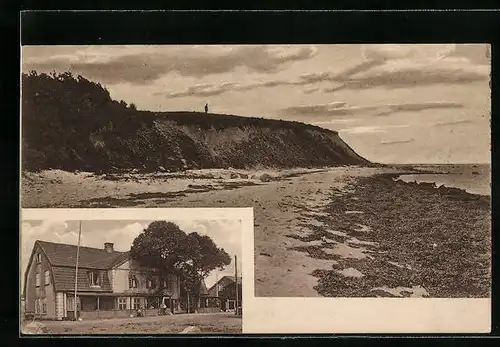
(112, 305)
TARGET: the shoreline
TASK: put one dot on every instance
(441, 189)
(57, 188)
(339, 231)
(408, 242)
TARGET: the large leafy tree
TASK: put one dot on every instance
(165, 246)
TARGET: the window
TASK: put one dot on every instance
(37, 280)
(132, 281)
(171, 283)
(37, 306)
(47, 277)
(94, 279)
(150, 282)
(137, 303)
(122, 303)
(44, 306)
(38, 258)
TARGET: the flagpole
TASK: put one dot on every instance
(236, 281)
(216, 283)
(76, 268)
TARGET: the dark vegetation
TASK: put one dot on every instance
(229, 292)
(71, 123)
(163, 245)
(441, 237)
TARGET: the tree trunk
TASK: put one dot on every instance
(188, 306)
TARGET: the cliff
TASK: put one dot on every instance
(72, 124)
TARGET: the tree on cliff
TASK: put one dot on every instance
(165, 246)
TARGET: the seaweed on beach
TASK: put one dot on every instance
(444, 234)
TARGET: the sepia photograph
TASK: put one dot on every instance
(368, 168)
(114, 276)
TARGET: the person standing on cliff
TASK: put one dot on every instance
(206, 108)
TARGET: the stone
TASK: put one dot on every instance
(191, 330)
(34, 328)
(266, 178)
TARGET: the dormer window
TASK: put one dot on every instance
(38, 258)
(94, 279)
(132, 281)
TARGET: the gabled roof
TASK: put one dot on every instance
(64, 280)
(203, 288)
(59, 254)
(225, 280)
(231, 278)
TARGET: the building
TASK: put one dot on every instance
(226, 304)
(110, 284)
(208, 303)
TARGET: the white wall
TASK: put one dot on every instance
(119, 279)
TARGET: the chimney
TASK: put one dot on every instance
(108, 247)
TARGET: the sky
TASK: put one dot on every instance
(410, 103)
(225, 233)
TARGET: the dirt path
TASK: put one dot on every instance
(226, 323)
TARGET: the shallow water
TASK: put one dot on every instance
(474, 178)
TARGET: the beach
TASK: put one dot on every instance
(341, 231)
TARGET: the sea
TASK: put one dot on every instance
(474, 178)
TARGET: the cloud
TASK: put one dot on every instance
(412, 77)
(415, 107)
(454, 122)
(390, 66)
(335, 121)
(370, 129)
(416, 52)
(141, 66)
(341, 76)
(342, 109)
(400, 66)
(211, 89)
(314, 109)
(202, 90)
(310, 90)
(396, 142)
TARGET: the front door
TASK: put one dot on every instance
(70, 305)
(168, 302)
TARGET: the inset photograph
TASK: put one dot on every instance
(131, 276)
